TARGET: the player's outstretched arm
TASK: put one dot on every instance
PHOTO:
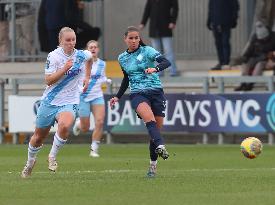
(88, 66)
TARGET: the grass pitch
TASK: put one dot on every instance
(193, 175)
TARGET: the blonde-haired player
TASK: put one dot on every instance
(93, 101)
(66, 69)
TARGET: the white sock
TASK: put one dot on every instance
(32, 153)
(57, 144)
(95, 145)
(161, 146)
(77, 123)
(153, 163)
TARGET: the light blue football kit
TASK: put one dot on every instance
(64, 94)
(94, 93)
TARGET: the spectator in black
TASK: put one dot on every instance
(222, 17)
(163, 16)
(42, 29)
(51, 19)
(84, 31)
(256, 55)
(56, 14)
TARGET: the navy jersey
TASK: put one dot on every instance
(135, 63)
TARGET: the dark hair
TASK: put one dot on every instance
(132, 29)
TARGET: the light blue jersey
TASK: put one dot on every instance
(135, 63)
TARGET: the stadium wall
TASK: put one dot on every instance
(192, 39)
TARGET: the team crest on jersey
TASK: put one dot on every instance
(140, 57)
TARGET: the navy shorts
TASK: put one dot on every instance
(154, 98)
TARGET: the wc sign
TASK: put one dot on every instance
(184, 113)
(205, 113)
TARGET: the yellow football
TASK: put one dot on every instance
(251, 147)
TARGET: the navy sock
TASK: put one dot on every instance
(153, 154)
(154, 133)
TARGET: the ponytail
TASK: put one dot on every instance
(141, 43)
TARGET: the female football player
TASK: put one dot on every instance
(64, 75)
(146, 93)
(93, 101)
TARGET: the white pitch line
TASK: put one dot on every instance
(173, 170)
(82, 171)
(227, 169)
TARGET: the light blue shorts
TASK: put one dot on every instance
(85, 107)
(47, 113)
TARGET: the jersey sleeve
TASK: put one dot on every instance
(103, 73)
(152, 53)
(87, 54)
(51, 64)
(119, 59)
(103, 77)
